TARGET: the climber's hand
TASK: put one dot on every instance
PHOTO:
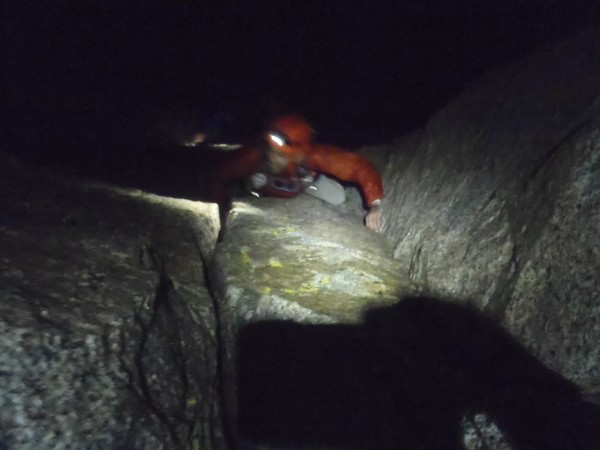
(373, 217)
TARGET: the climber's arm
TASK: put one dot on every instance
(355, 168)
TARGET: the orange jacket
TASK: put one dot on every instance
(346, 166)
(238, 165)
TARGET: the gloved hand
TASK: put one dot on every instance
(373, 217)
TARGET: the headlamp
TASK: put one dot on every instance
(277, 138)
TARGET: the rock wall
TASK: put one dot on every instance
(293, 261)
(107, 331)
(496, 203)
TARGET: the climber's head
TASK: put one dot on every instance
(289, 139)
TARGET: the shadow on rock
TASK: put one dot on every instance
(406, 378)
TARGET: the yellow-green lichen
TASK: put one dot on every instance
(303, 289)
(275, 263)
(246, 256)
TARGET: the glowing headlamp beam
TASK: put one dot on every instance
(277, 139)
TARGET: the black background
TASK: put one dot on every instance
(87, 77)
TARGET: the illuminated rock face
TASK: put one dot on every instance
(326, 267)
(496, 202)
(106, 327)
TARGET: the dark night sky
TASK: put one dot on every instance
(91, 76)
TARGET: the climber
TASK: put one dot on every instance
(285, 162)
